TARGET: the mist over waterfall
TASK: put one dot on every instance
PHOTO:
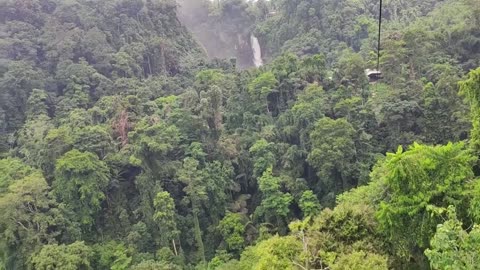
(225, 36)
(257, 51)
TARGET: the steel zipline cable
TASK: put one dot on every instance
(379, 35)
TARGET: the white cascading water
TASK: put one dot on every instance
(257, 51)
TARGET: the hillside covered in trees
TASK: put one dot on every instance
(137, 135)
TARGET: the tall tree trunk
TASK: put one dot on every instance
(198, 237)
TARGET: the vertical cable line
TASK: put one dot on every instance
(379, 34)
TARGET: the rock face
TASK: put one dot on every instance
(220, 38)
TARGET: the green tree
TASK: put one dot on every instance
(333, 153)
(16, 86)
(95, 139)
(418, 181)
(274, 253)
(122, 260)
(351, 68)
(196, 192)
(211, 110)
(58, 141)
(452, 247)
(37, 104)
(446, 117)
(309, 204)
(165, 217)
(261, 87)
(153, 146)
(360, 260)
(63, 257)
(346, 229)
(83, 85)
(263, 156)
(29, 218)
(32, 143)
(154, 265)
(313, 68)
(152, 141)
(310, 106)
(232, 228)
(219, 180)
(12, 169)
(275, 203)
(169, 141)
(470, 88)
(398, 114)
(111, 255)
(80, 182)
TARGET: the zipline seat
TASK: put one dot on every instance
(373, 75)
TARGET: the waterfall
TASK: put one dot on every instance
(257, 51)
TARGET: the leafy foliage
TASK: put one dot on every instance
(276, 253)
(452, 247)
(128, 140)
(80, 180)
(65, 257)
(360, 260)
(419, 181)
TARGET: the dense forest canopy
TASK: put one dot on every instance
(136, 134)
